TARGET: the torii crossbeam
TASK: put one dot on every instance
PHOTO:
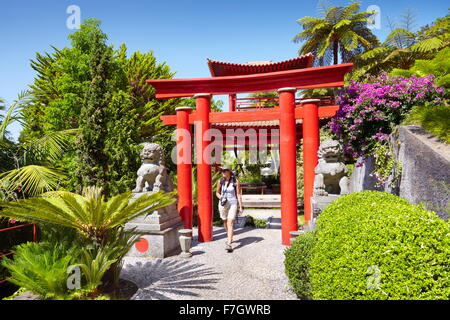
(286, 116)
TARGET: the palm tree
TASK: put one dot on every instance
(403, 47)
(341, 31)
(30, 161)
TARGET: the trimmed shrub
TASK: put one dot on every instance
(296, 264)
(375, 245)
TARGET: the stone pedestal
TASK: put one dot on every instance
(160, 232)
(294, 235)
(318, 204)
(185, 242)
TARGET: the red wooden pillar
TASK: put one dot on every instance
(310, 148)
(232, 102)
(184, 165)
(204, 187)
(288, 164)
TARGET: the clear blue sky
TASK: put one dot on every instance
(182, 33)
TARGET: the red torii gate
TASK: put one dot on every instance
(256, 78)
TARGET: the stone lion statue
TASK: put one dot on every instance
(152, 171)
(331, 172)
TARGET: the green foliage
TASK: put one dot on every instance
(94, 264)
(270, 102)
(94, 229)
(385, 164)
(91, 154)
(216, 105)
(439, 66)
(297, 263)
(29, 161)
(252, 174)
(402, 48)
(375, 245)
(42, 267)
(433, 118)
(341, 31)
(102, 91)
(256, 223)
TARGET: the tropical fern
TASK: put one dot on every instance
(403, 47)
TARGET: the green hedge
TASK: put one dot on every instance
(374, 245)
(296, 263)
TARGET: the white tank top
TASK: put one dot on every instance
(229, 192)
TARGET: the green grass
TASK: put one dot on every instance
(301, 220)
(434, 119)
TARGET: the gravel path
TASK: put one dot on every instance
(254, 270)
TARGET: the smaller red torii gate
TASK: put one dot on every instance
(286, 82)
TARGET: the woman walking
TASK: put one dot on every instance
(228, 190)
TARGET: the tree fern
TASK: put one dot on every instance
(340, 31)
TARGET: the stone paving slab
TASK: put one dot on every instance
(254, 270)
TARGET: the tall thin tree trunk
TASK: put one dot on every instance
(335, 51)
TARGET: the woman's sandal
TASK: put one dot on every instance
(228, 248)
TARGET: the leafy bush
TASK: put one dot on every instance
(375, 245)
(42, 268)
(434, 119)
(297, 262)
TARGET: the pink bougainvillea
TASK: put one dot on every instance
(368, 112)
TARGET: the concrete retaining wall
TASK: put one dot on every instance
(425, 170)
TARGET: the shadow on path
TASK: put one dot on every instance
(157, 279)
(246, 241)
(221, 233)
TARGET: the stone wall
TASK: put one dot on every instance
(425, 170)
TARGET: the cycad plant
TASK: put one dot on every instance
(100, 246)
(42, 267)
(89, 214)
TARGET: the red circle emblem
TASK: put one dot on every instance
(141, 245)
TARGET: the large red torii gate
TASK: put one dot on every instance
(286, 82)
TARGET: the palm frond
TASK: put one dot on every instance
(51, 146)
(34, 179)
(14, 113)
(429, 45)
